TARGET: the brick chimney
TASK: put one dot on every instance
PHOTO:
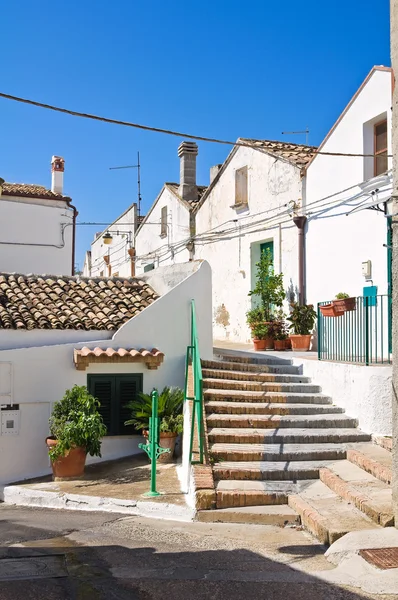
(57, 174)
(188, 151)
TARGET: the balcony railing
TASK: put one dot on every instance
(361, 334)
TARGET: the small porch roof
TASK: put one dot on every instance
(84, 356)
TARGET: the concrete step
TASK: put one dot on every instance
(285, 436)
(326, 515)
(276, 421)
(252, 368)
(270, 470)
(269, 408)
(278, 515)
(254, 376)
(251, 360)
(373, 459)
(384, 441)
(234, 493)
(249, 396)
(259, 386)
(370, 495)
(278, 452)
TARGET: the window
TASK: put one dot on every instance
(241, 188)
(116, 274)
(163, 222)
(380, 148)
(149, 267)
(101, 274)
(114, 392)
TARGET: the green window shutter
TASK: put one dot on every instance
(102, 388)
(127, 389)
(268, 246)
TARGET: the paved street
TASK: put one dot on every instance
(87, 556)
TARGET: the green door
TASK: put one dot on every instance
(268, 246)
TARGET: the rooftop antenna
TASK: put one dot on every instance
(138, 167)
(306, 131)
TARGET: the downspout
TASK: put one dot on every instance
(300, 223)
(75, 213)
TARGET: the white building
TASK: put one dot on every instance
(37, 226)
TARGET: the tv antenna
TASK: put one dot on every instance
(306, 131)
(138, 167)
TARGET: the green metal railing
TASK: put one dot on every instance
(361, 335)
(193, 367)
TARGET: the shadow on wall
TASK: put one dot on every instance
(115, 571)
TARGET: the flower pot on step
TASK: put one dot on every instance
(280, 344)
(259, 344)
(167, 439)
(70, 466)
(345, 305)
(300, 343)
(329, 310)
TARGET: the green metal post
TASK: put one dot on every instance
(366, 300)
(319, 333)
(152, 448)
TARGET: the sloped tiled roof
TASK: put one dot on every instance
(85, 356)
(201, 190)
(51, 302)
(31, 190)
(298, 154)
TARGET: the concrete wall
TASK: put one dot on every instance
(272, 184)
(42, 374)
(122, 231)
(17, 338)
(336, 244)
(151, 248)
(36, 236)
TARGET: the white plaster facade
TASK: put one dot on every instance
(230, 238)
(336, 244)
(36, 235)
(36, 376)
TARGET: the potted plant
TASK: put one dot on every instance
(330, 310)
(254, 316)
(344, 302)
(76, 428)
(280, 335)
(302, 320)
(169, 412)
(269, 286)
(263, 336)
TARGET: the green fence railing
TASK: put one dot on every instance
(359, 335)
(194, 387)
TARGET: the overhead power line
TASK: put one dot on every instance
(190, 136)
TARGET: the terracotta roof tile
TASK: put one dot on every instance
(83, 357)
(298, 154)
(52, 302)
(201, 190)
(31, 190)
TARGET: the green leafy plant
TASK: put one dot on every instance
(342, 296)
(76, 422)
(261, 331)
(302, 318)
(269, 286)
(280, 330)
(169, 410)
(255, 315)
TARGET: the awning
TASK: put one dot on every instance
(84, 356)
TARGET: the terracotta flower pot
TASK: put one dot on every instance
(280, 344)
(70, 466)
(300, 343)
(288, 344)
(269, 343)
(167, 440)
(259, 344)
(329, 310)
(345, 305)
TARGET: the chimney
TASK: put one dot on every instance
(188, 151)
(57, 174)
(214, 171)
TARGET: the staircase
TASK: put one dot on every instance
(272, 437)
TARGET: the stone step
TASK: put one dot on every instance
(247, 421)
(259, 386)
(269, 408)
(384, 441)
(244, 395)
(370, 495)
(285, 436)
(326, 515)
(278, 515)
(278, 452)
(254, 376)
(373, 459)
(234, 493)
(270, 470)
(251, 360)
(252, 368)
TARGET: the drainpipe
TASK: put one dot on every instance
(300, 224)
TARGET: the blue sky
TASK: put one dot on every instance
(220, 68)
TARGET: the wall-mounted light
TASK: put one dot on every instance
(107, 238)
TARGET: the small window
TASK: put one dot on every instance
(241, 188)
(149, 267)
(163, 222)
(101, 273)
(380, 148)
(113, 393)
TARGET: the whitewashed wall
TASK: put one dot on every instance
(272, 183)
(336, 244)
(119, 258)
(36, 236)
(151, 248)
(42, 374)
